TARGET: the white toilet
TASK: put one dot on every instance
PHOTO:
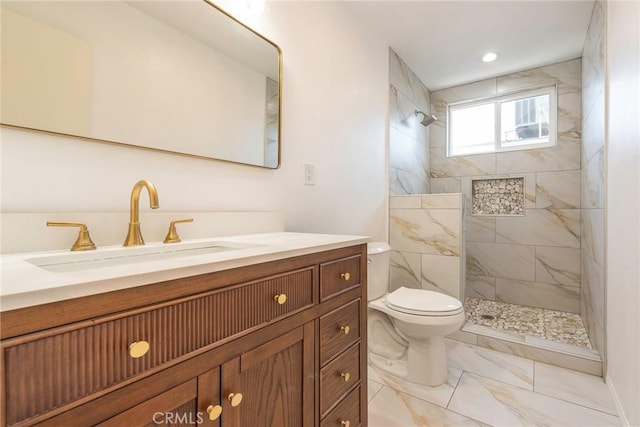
(412, 344)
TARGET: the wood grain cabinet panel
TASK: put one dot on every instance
(276, 381)
(58, 368)
(339, 276)
(338, 377)
(175, 407)
(275, 334)
(348, 411)
(338, 330)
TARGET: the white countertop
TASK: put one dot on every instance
(24, 284)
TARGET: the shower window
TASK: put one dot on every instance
(516, 121)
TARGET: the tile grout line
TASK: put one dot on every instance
(374, 394)
(456, 412)
(454, 390)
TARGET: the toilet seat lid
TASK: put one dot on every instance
(423, 302)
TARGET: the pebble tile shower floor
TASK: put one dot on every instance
(552, 325)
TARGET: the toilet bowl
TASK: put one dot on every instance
(420, 318)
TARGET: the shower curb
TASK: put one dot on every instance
(538, 349)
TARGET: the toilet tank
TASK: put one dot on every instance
(378, 260)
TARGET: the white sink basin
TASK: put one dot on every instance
(116, 256)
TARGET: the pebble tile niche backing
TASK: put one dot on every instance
(498, 196)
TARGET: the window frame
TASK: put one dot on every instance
(497, 100)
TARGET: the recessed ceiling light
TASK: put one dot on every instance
(489, 57)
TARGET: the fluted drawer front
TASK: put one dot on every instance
(346, 413)
(50, 371)
(338, 330)
(339, 276)
(339, 376)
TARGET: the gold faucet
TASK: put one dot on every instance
(134, 236)
(83, 242)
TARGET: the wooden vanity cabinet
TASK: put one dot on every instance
(211, 338)
(268, 386)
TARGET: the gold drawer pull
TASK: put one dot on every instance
(346, 376)
(345, 329)
(345, 276)
(214, 412)
(138, 349)
(280, 298)
(345, 423)
(235, 399)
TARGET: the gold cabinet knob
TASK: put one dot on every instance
(346, 376)
(345, 423)
(138, 349)
(345, 276)
(214, 412)
(235, 399)
(280, 298)
(345, 329)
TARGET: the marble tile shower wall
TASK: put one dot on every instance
(426, 234)
(592, 179)
(532, 260)
(408, 139)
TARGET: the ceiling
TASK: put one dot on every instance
(443, 41)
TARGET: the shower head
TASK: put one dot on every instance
(428, 118)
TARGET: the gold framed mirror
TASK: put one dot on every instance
(178, 76)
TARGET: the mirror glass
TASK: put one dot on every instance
(178, 76)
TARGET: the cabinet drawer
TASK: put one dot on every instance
(347, 413)
(48, 370)
(338, 330)
(339, 376)
(339, 276)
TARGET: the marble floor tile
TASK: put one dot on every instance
(372, 375)
(493, 364)
(372, 389)
(500, 404)
(390, 408)
(572, 386)
(439, 395)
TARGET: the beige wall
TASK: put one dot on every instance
(334, 115)
(623, 205)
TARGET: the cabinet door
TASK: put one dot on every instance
(209, 407)
(276, 382)
(175, 407)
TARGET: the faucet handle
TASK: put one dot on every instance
(172, 235)
(83, 242)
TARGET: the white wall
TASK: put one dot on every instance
(334, 114)
(623, 206)
(335, 101)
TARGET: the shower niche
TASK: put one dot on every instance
(502, 196)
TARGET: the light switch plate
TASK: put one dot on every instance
(309, 177)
